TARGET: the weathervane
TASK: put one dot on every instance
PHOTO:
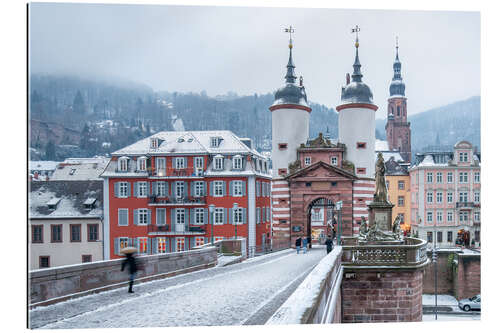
(397, 45)
(356, 30)
(290, 30)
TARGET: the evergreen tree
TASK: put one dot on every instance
(50, 151)
(78, 104)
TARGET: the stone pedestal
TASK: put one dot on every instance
(381, 213)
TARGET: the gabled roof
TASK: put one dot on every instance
(305, 171)
(80, 171)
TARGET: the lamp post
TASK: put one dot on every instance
(339, 209)
(434, 260)
(211, 209)
(235, 207)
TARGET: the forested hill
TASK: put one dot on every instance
(106, 116)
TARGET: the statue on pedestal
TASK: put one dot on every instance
(380, 186)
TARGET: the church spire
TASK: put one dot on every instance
(397, 86)
(356, 74)
(290, 72)
(397, 64)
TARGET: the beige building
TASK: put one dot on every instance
(65, 223)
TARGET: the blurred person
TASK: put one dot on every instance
(132, 269)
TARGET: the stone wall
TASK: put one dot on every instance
(467, 282)
(445, 274)
(371, 296)
(56, 284)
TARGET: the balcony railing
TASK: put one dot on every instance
(412, 253)
(166, 230)
(188, 172)
(154, 200)
(466, 204)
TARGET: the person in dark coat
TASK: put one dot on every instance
(304, 244)
(298, 243)
(329, 244)
(132, 269)
(309, 242)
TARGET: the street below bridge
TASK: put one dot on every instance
(247, 293)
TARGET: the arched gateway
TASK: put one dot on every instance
(322, 220)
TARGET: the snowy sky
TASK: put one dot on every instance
(221, 49)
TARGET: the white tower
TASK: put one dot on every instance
(290, 119)
(357, 121)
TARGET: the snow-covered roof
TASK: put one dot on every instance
(189, 142)
(388, 154)
(381, 145)
(90, 170)
(66, 198)
(43, 165)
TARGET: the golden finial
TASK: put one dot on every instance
(290, 30)
(356, 30)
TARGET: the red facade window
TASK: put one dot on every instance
(56, 233)
(44, 261)
(92, 232)
(37, 233)
(361, 145)
(361, 170)
(282, 146)
(75, 232)
(282, 172)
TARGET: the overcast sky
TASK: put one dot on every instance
(221, 49)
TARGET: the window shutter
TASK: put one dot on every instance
(224, 218)
(191, 192)
(154, 245)
(192, 216)
(117, 245)
(244, 188)
(205, 216)
(258, 215)
(257, 187)
(231, 216)
(167, 245)
(149, 249)
(186, 219)
(244, 215)
(172, 218)
(244, 162)
(204, 189)
(205, 240)
(185, 194)
(155, 188)
(135, 189)
(231, 188)
(137, 244)
(173, 162)
(128, 189)
(148, 192)
(116, 189)
(172, 192)
(268, 214)
(212, 188)
(224, 188)
(192, 242)
(149, 216)
(167, 190)
(136, 216)
(185, 162)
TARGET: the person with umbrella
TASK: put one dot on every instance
(329, 244)
(132, 265)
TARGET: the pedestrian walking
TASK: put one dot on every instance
(309, 242)
(304, 244)
(298, 243)
(329, 244)
(132, 266)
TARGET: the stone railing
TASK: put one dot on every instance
(317, 300)
(412, 253)
(57, 284)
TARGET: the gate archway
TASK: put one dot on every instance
(321, 219)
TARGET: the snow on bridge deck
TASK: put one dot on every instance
(240, 294)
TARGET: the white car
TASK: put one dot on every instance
(473, 303)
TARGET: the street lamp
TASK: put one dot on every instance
(339, 209)
(434, 260)
(211, 209)
(235, 207)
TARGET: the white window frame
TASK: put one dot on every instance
(238, 188)
(463, 216)
(401, 182)
(142, 163)
(180, 190)
(198, 216)
(477, 197)
(463, 177)
(198, 189)
(401, 200)
(142, 189)
(199, 241)
(439, 177)
(439, 216)
(439, 197)
(449, 197)
(161, 165)
(218, 216)
(139, 241)
(154, 143)
(449, 177)
(198, 162)
(307, 160)
(142, 216)
(429, 216)
(219, 163)
(430, 197)
(123, 163)
(180, 216)
(122, 209)
(463, 196)
(123, 242)
(218, 188)
(477, 216)
(164, 222)
(214, 142)
(477, 177)
(449, 216)
(178, 242)
(123, 189)
(430, 177)
(333, 160)
(161, 240)
(238, 216)
(161, 188)
(237, 163)
(179, 163)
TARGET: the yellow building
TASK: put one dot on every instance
(398, 190)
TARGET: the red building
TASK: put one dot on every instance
(168, 192)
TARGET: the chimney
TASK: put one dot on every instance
(347, 79)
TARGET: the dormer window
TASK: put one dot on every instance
(237, 162)
(154, 143)
(219, 162)
(463, 157)
(142, 163)
(123, 163)
(215, 141)
(89, 203)
(52, 204)
(307, 161)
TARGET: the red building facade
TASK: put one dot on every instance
(158, 193)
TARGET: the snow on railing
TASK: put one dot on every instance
(315, 299)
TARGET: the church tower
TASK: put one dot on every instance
(357, 121)
(398, 128)
(290, 119)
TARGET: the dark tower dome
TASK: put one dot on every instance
(291, 93)
(356, 91)
(397, 86)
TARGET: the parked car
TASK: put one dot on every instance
(473, 303)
